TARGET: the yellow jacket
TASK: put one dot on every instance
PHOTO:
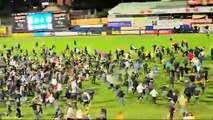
(119, 116)
(182, 101)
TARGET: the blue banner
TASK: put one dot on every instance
(120, 24)
(43, 34)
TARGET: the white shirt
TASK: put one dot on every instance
(70, 112)
(74, 87)
(202, 53)
(151, 75)
(109, 79)
(79, 114)
(88, 96)
(51, 99)
(126, 64)
(86, 66)
(42, 74)
(54, 81)
(126, 56)
(153, 93)
(140, 88)
(59, 87)
(23, 78)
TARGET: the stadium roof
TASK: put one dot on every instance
(54, 8)
(137, 7)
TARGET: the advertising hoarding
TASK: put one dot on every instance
(120, 24)
(20, 23)
(60, 21)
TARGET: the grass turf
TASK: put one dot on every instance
(105, 97)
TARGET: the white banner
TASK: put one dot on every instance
(142, 32)
(65, 33)
(91, 26)
(134, 32)
(120, 19)
(158, 27)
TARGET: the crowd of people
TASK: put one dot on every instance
(43, 74)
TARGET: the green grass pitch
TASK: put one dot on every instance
(105, 97)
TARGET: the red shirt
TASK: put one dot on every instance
(190, 56)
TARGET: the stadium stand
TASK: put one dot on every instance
(164, 15)
(135, 8)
